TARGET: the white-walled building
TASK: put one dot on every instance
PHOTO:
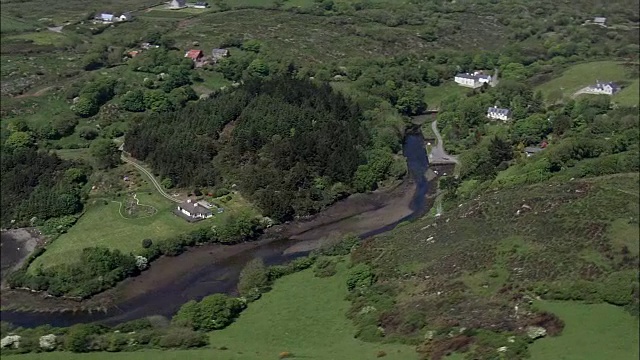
(608, 88)
(474, 80)
(194, 210)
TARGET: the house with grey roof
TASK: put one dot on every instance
(605, 88)
(201, 5)
(532, 150)
(194, 211)
(496, 113)
(218, 54)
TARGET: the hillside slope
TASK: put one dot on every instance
(475, 270)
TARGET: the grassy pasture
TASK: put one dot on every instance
(106, 223)
(585, 74)
(311, 324)
(592, 331)
(44, 38)
(10, 24)
(434, 95)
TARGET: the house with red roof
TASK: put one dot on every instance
(195, 55)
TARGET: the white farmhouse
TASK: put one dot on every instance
(496, 113)
(194, 211)
(177, 4)
(608, 88)
(105, 17)
(473, 80)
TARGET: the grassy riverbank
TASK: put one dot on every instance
(302, 314)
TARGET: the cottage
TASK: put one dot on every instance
(600, 20)
(194, 211)
(496, 113)
(531, 150)
(195, 55)
(474, 80)
(177, 4)
(125, 17)
(217, 54)
(147, 46)
(608, 88)
(105, 17)
(201, 5)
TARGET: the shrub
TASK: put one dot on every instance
(146, 243)
(183, 338)
(360, 276)
(253, 279)
(324, 267)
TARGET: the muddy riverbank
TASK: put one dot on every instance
(15, 246)
(172, 281)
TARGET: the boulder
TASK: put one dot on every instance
(48, 342)
(11, 340)
(535, 332)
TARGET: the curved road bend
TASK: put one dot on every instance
(155, 182)
(437, 152)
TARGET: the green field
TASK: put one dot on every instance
(103, 224)
(592, 332)
(10, 24)
(435, 94)
(310, 324)
(630, 95)
(582, 75)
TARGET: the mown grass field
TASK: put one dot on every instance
(302, 314)
(629, 96)
(435, 94)
(592, 332)
(103, 224)
(582, 75)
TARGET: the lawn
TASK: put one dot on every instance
(592, 332)
(630, 95)
(435, 94)
(303, 315)
(44, 38)
(10, 24)
(103, 224)
(581, 75)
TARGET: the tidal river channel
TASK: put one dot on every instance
(194, 278)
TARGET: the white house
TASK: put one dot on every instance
(201, 5)
(125, 17)
(600, 20)
(177, 4)
(496, 113)
(474, 80)
(608, 88)
(106, 17)
(194, 210)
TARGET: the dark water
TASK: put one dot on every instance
(222, 276)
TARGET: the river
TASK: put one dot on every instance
(202, 277)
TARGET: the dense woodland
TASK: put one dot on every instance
(39, 186)
(293, 146)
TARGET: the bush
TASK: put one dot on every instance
(79, 337)
(324, 267)
(212, 313)
(253, 279)
(183, 338)
(146, 243)
(360, 276)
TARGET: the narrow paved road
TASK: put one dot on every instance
(438, 155)
(151, 177)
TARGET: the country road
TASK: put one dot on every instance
(438, 155)
(151, 177)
